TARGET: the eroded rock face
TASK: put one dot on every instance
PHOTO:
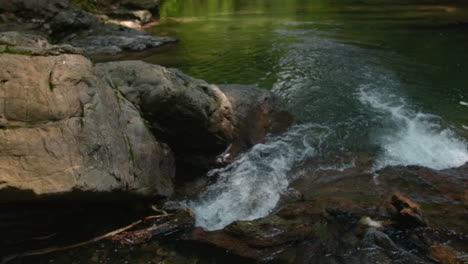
(193, 116)
(64, 129)
(198, 120)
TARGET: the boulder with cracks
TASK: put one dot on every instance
(204, 124)
(64, 129)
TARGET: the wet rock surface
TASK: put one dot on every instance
(257, 113)
(64, 129)
(117, 40)
(320, 229)
(358, 218)
(66, 23)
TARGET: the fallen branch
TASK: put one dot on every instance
(95, 239)
(142, 235)
(157, 216)
(145, 234)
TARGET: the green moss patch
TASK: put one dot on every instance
(9, 50)
(88, 5)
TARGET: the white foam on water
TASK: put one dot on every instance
(417, 138)
(250, 187)
(338, 167)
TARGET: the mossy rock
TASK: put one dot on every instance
(88, 5)
(9, 50)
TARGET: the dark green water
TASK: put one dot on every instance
(386, 79)
(424, 46)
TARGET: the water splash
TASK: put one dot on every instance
(410, 137)
(250, 187)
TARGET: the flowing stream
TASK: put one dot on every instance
(357, 77)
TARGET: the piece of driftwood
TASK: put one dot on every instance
(146, 233)
(142, 235)
(181, 220)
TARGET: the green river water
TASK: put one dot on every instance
(389, 80)
(385, 78)
(278, 44)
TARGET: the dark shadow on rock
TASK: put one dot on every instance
(42, 221)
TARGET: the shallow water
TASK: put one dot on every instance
(388, 80)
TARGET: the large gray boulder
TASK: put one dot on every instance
(193, 116)
(64, 129)
(204, 124)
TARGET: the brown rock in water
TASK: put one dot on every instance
(444, 254)
(313, 232)
(68, 130)
(408, 212)
(439, 193)
(256, 114)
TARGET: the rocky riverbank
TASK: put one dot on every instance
(63, 22)
(86, 149)
(68, 125)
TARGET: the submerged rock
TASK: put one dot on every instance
(406, 211)
(66, 130)
(322, 231)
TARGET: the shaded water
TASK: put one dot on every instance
(389, 80)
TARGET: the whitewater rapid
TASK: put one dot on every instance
(251, 186)
(409, 137)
